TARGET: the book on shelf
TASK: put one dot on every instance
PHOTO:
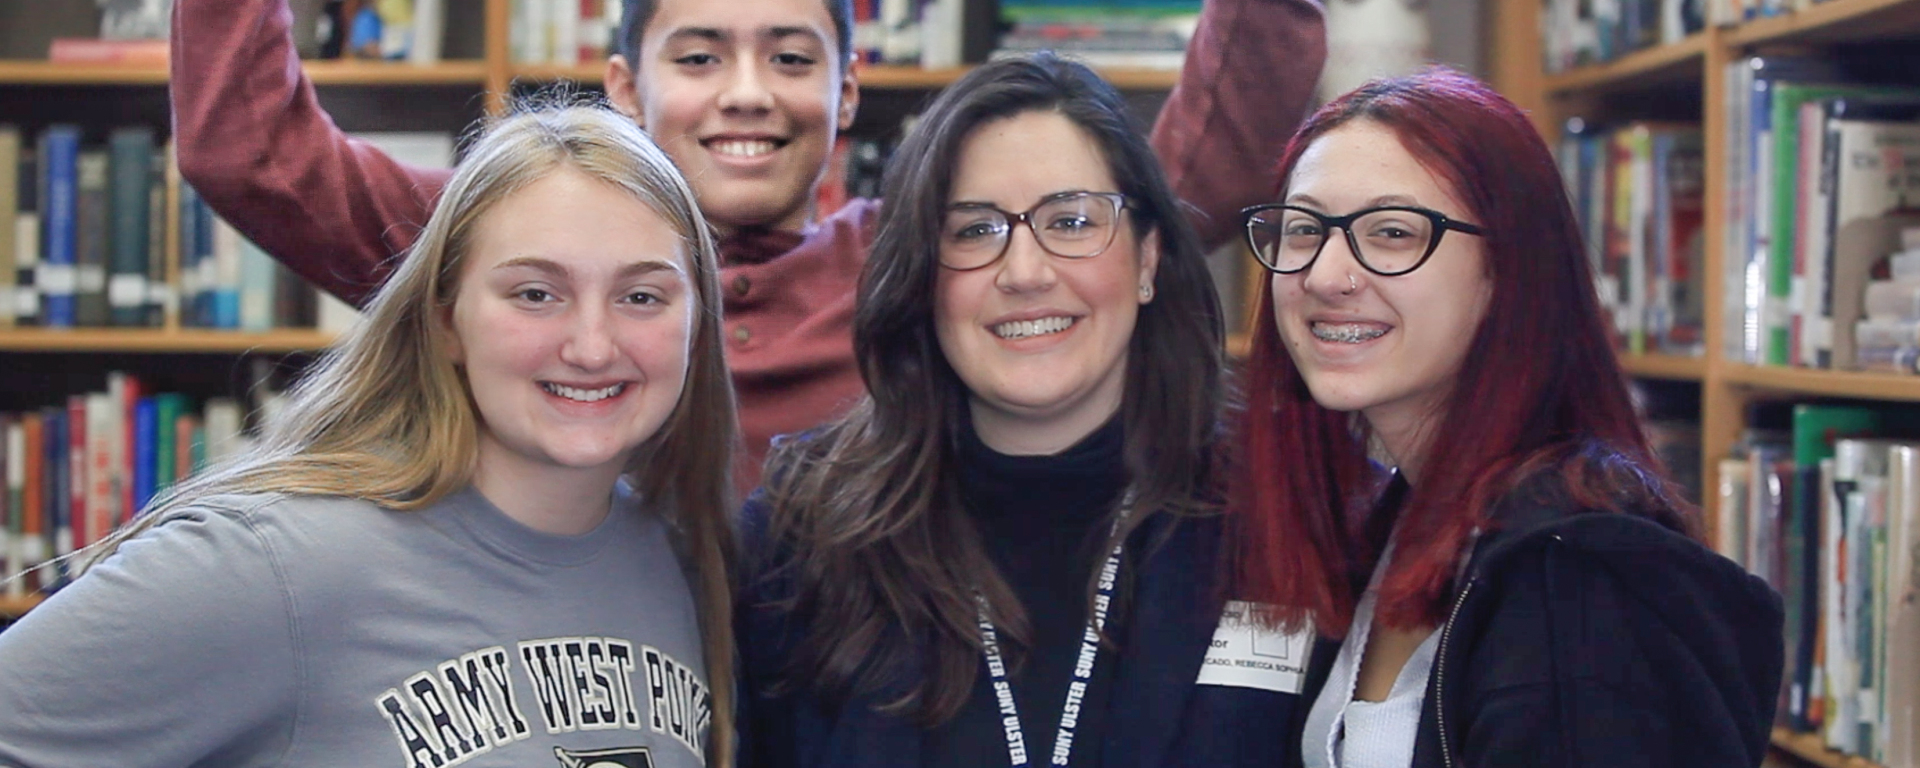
(1638, 190)
(1749, 174)
(91, 242)
(1148, 34)
(9, 228)
(563, 32)
(85, 464)
(1820, 512)
(1783, 190)
(1866, 150)
(1577, 33)
(99, 51)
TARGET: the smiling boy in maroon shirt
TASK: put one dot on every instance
(747, 96)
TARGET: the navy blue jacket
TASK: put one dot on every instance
(1583, 637)
(1157, 717)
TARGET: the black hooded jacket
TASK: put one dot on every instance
(1584, 637)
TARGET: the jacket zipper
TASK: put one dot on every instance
(1440, 676)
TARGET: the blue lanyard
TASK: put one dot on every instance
(1076, 690)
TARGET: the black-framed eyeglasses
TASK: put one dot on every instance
(1388, 240)
(1071, 225)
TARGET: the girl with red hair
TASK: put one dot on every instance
(1443, 471)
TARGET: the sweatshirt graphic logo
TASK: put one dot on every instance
(470, 705)
(629, 757)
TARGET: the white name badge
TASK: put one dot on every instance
(1247, 655)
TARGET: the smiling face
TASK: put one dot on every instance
(571, 322)
(1389, 347)
(1040, 341)
(746, 96)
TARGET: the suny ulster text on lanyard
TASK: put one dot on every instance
(1082, 666)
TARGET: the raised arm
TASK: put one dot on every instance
(1248, 82)
(254, 142)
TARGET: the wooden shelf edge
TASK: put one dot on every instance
(462, 72)
(1811, 748)
(1808, 19)
(1626, 68)
(158, 340)
(1804, 381)
(1670, 367)
(872, 76)
(15, 607)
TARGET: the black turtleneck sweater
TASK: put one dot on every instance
(1044, 521)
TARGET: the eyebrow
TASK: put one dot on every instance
(550, 267)
(1049, 197)
(1375, 202)
(718, 35)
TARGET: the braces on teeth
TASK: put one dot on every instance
(1347, 334)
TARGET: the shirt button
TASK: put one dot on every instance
(741, 284)
(741, 334)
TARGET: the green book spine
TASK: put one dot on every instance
(1777, 329)
(130, 214)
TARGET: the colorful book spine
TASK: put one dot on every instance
(59, 211)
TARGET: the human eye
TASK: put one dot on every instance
(1302, 228)
(1071, 223)
(794, 59)
(969, 227)
(643, 298)
(1395, 229)
(696, 59)
(532, 295)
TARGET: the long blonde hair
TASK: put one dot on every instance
(385, 416)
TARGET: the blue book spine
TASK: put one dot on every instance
(145, 430)
(58, 278)
(55, 480)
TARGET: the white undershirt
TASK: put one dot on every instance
(1344, 733)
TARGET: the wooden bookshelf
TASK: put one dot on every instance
(1831, 21)
(1803, 382)
(1667, 63)
(1669, 367)
(344, 73)
(1809, 747)
(155, 340)
(872, 76)
(15, 607)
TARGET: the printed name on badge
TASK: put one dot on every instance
(1247, 655)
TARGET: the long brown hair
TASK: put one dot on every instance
(886, 562)
(386, 417)
(1538, 386)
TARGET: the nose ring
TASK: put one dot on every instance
(1352, 285)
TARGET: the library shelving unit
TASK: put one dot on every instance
(35, 91)
(492, 76)
(1684, 80)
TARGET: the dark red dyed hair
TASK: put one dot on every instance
(1539, 379)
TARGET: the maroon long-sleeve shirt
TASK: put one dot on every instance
(253, 140)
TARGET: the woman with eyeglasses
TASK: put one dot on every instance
(1011, 553)
(1524, 586)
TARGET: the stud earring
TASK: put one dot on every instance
(1146, 293)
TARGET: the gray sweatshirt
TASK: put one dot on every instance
(301, 631)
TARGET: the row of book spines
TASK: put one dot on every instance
(76, 472)
(1577, 33)
(1819, 173)
(1639, 192)
(1828, 513)
(85, 238)
(563, 32)
(90, 222)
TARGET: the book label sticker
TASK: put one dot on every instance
(1245, 654)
